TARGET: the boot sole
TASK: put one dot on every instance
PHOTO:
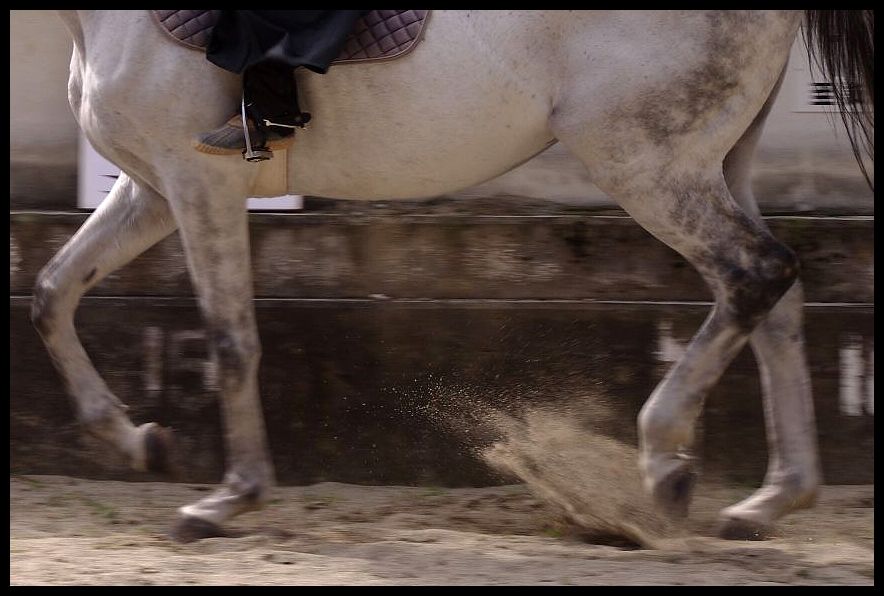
(278, 144)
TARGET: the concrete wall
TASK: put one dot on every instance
(389, 254)
(803, 164)
(389, 337)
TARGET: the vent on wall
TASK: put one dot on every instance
(821, 96)
(810, 90)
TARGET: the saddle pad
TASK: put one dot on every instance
(379, 35)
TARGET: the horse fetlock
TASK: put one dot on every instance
(98, 406)
(233, 499)
(102, 415)
(157, 450)
(670, 479)
(253, 489)
(106, 420)
(753, 518)
(663, 430)
(797, 490)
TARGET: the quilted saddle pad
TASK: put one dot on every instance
(379, 35)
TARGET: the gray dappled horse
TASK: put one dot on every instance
(663, 108)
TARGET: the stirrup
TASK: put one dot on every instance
(250, 154)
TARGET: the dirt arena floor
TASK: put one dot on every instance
(579, 516)
(73, 531)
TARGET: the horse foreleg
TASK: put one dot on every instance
(129, 221)
(214, 231)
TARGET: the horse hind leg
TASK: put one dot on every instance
(793, 473)
(682, 199)
(748, 271)
(129, 221)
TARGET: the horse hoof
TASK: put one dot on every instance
(190, 529)
(160, 449)
(673, 493)
(742, 529)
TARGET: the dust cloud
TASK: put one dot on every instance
(556, 448)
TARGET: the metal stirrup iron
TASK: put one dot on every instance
(249, 154)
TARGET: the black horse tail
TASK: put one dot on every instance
(841, 43)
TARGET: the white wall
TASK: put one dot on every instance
(42, 129)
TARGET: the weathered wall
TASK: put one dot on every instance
(398, 392)
(803, 163)
(391, 254)
(387, 335)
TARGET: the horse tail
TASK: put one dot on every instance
(841, 43)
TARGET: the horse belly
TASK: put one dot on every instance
(448, 115)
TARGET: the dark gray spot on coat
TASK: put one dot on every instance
(696, 94)
(752, 291)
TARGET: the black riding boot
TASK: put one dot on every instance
(271, 98)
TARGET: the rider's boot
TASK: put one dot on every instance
(271, 104)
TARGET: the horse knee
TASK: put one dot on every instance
(754, 290)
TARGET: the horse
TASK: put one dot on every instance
(664, 108)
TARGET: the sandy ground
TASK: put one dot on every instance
(578, 516)
(73, 531)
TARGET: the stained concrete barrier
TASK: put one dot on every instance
(396, 391)
(387, 337)
(402, 254)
